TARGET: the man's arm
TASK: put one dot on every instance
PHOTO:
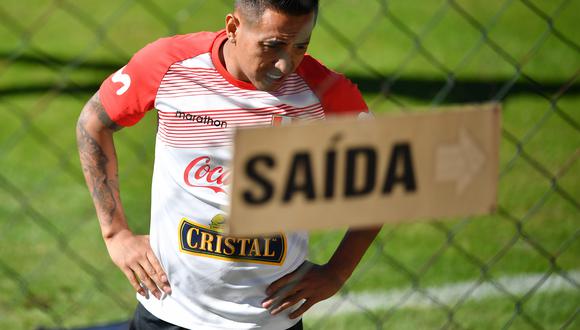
(131, 253)
(318, 282)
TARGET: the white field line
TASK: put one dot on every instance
(446, 294)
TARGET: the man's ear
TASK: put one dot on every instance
(232, 24)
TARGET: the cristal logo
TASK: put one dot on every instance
(205, 175)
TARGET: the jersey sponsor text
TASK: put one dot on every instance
(207, 120)
(203, 241)
(205, 175)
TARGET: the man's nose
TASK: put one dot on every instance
(284, 63)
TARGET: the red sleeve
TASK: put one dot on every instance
(337, 94)
(130, 92)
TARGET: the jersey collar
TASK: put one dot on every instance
(215, 58)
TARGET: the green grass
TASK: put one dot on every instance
(43, 235)
(488, 314)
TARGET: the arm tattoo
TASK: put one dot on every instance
(102, 114)
(104, 189)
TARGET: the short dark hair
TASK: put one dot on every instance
(255, 8)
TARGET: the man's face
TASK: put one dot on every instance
(269, 50)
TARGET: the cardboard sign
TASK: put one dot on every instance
(357, 173)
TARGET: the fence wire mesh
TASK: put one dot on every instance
(517, 269)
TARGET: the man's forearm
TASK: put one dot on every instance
(131, 253)
(99, 165)
(350, 251)
(313, 283)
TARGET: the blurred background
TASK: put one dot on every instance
(516, 269)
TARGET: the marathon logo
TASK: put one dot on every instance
(202, 241)
(206, 120)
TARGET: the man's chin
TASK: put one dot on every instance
(268, 87)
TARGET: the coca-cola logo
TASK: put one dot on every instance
(205, 175)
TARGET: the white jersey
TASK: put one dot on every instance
(218, 282)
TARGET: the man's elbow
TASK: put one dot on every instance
(94, 119)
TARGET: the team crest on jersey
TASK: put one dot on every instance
(204, 241)
(279, 120)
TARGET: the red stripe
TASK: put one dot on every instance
(293, 84)
(197, 139)
(181, 91)
(196, 133)
(232, 115)
(229, 94)
(231, 121)
(196, 146)
(227, 117)
(212, 131)
(189, 87)
(215, 112)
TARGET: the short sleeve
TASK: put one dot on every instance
(130, 92)
(337, 94)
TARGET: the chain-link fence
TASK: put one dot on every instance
(519, 268)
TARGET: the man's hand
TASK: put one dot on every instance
(310, 282)
(314, 283)
(134, 256)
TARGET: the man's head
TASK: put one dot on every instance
(267, 39)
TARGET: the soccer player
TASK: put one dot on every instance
(187, 273)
